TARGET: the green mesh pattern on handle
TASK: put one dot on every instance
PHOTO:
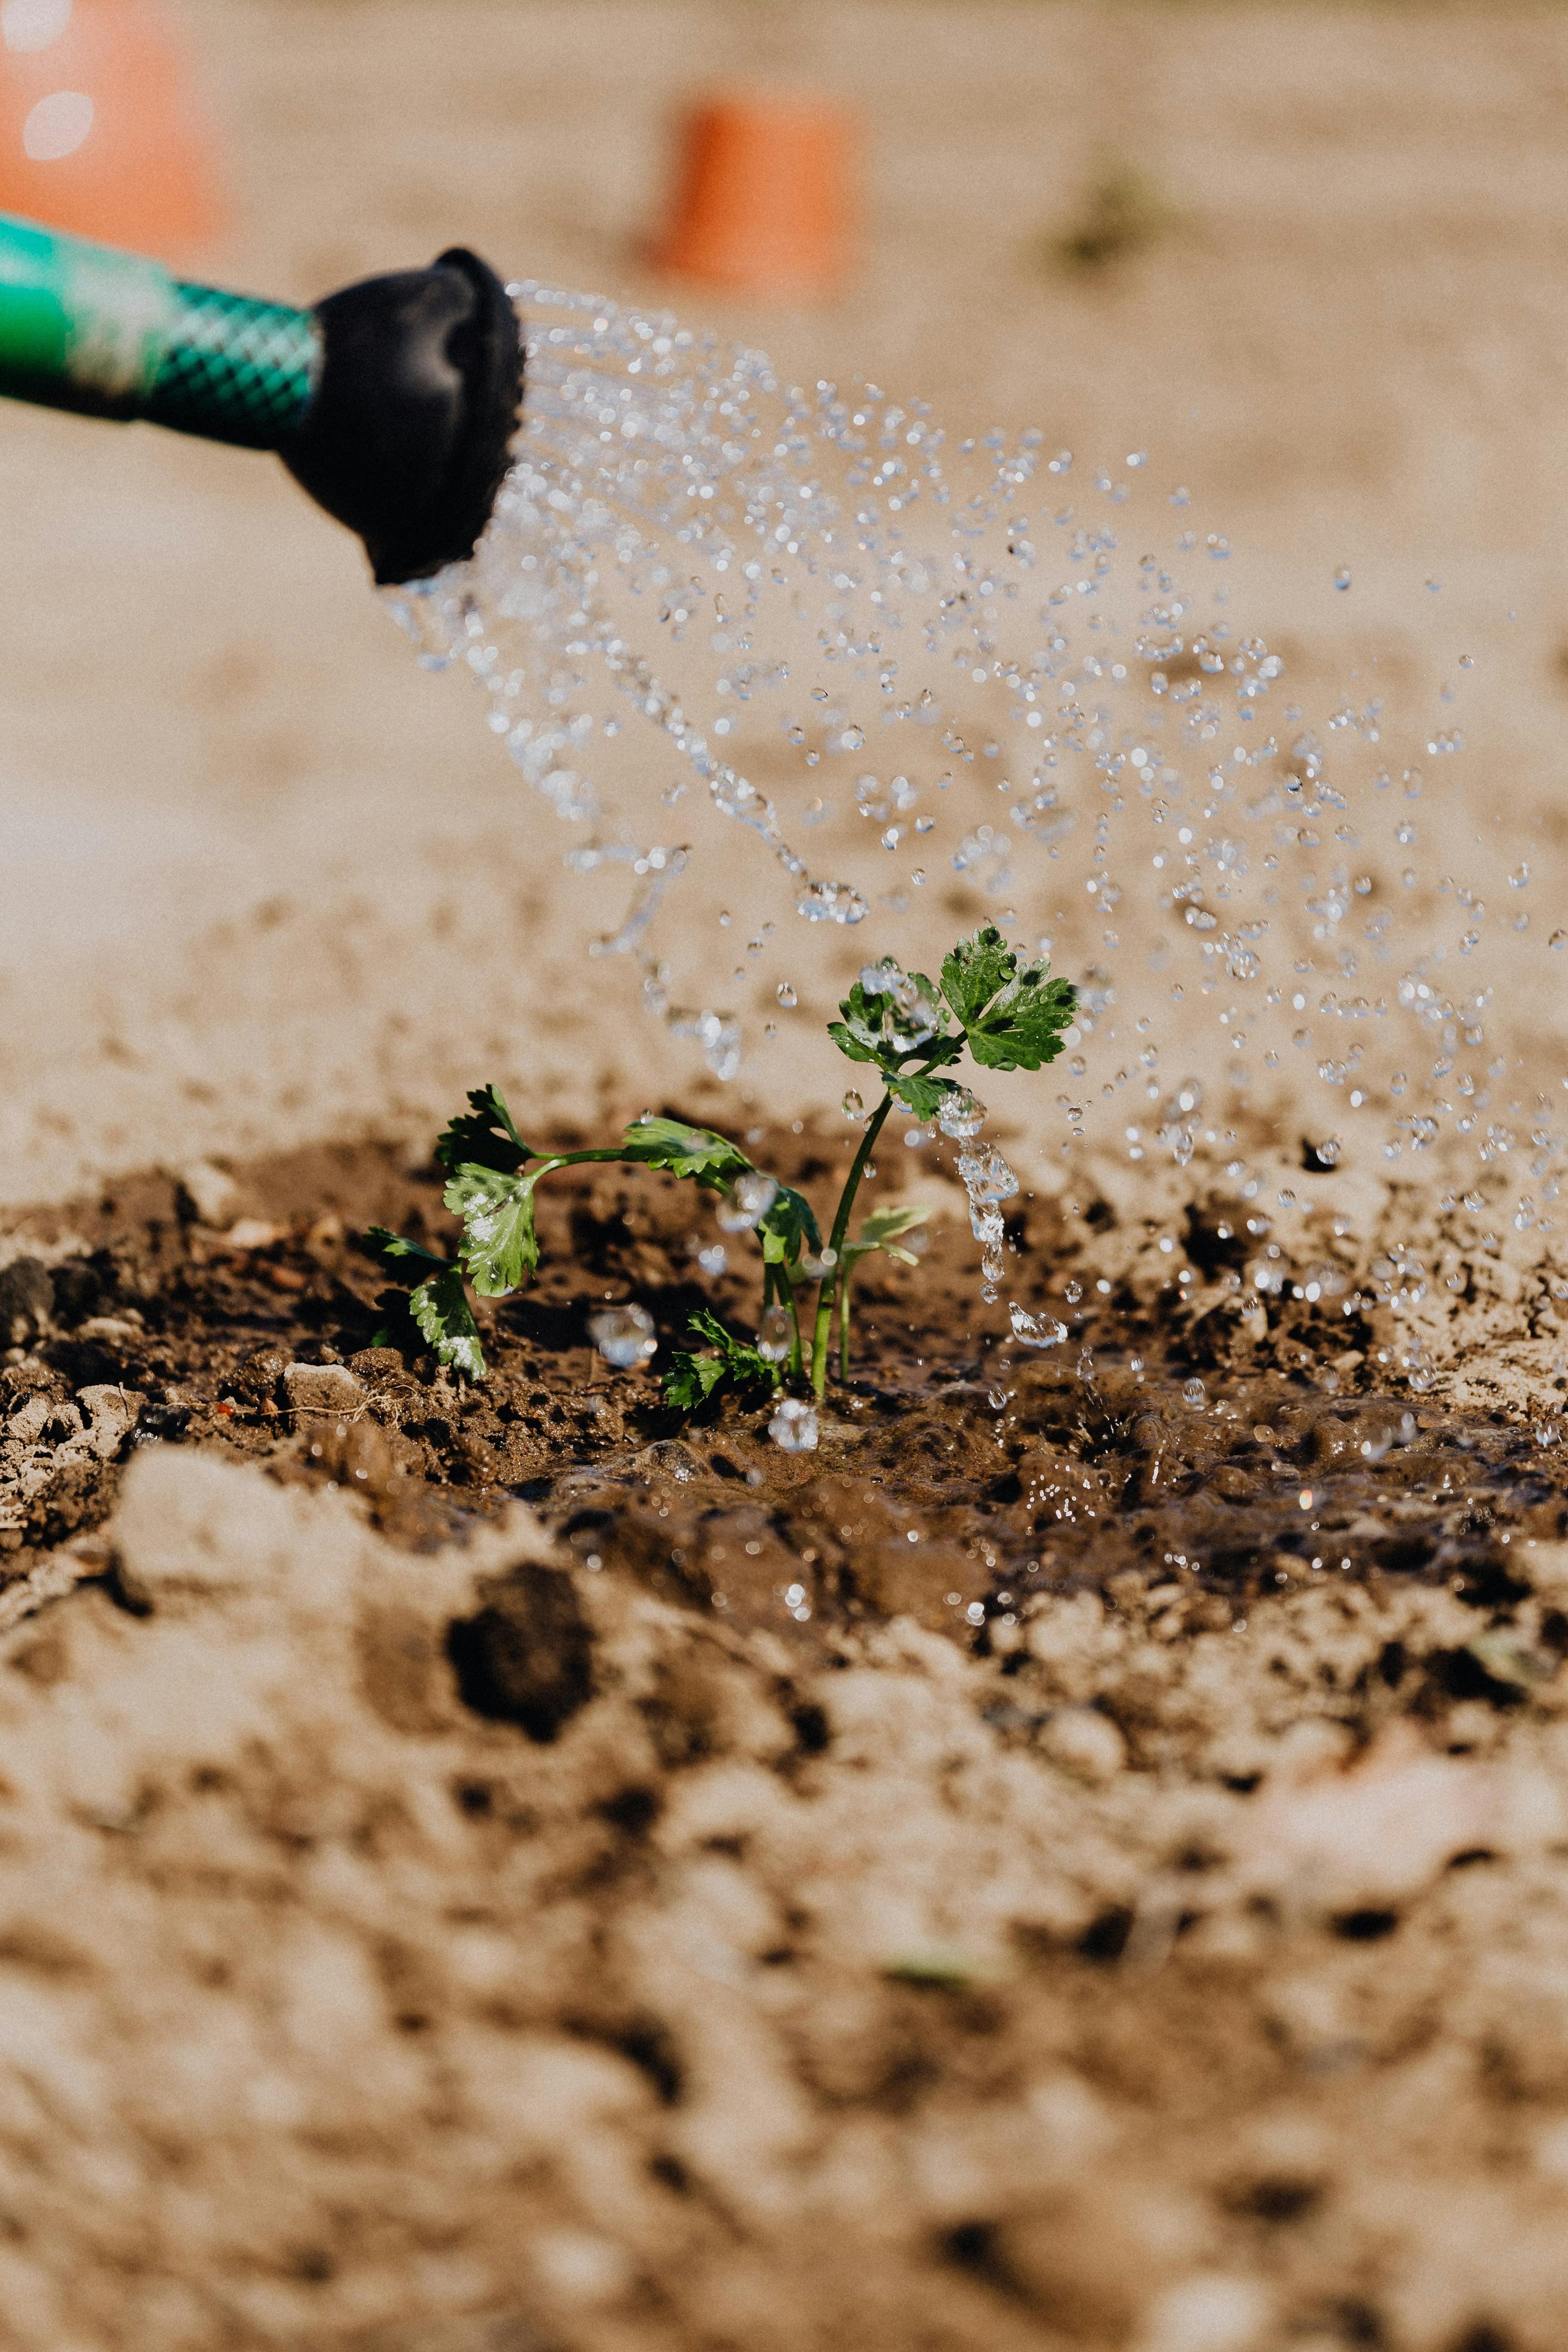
(235, 368)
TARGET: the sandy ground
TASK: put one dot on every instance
(265, 878)
(1158, 1984)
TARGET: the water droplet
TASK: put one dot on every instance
(961, 1115)
(831, 902)
(793, 1427)
(1328, 1151)
(624, 1336)
(1194, 1393)
(743, 1204)
(985, 1175)
(1559, 940)
(776, 1334)
(853, 1108)
(786, 995)
(1036, 1330)
(1342, 578)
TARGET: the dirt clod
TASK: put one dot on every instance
(526, 1656)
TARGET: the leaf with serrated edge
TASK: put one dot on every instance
(1023, 1028)
(691, 1380)
(919, 1093)
(863, 1022)
(740, 1357)
(737, 1360)
(976, 971)
(854, 1048)
(471, 1140)
(500, 1248)
(445, 1317)
(860, 1034)
(683, 1151)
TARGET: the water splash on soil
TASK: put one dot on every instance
(985, 679)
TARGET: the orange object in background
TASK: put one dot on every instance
(99, 134)
(766, 201)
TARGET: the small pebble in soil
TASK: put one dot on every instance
(624, 1336)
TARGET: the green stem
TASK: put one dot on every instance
(844, 1324)
(574, 1159)
(824, 1297)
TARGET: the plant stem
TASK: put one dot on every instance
(824, 1297)
(844, 1324)
(797, 1352)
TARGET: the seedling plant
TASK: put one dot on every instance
(1005, 1014)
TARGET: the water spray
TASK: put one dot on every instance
(392, 402)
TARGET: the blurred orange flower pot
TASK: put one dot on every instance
(98, 131)
(765, 200)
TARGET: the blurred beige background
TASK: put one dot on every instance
(264, 879)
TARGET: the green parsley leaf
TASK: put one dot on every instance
(437, 1306)
(390, 1247)
(977, 970)
(500, 1248)
(869, 1031)
(684, 1151)
(691, 1379)
(1023, 1026)
(483, 1135)
(790, 1222)
(442, 1312)
(918, 1092)
(850, 1043)
(859, 1034)
(1011, 1018)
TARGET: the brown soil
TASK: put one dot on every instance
(1070, 1863)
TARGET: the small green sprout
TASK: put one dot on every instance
(692, 1379)
(1007, 1014)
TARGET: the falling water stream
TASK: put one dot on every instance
(921, 678)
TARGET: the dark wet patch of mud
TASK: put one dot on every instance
(1224, 1419)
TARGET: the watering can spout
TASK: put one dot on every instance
(393, 401)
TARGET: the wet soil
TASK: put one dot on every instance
(1080, 1859)
(1206, 1436)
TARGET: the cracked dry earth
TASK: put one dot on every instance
(1081, 1860)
